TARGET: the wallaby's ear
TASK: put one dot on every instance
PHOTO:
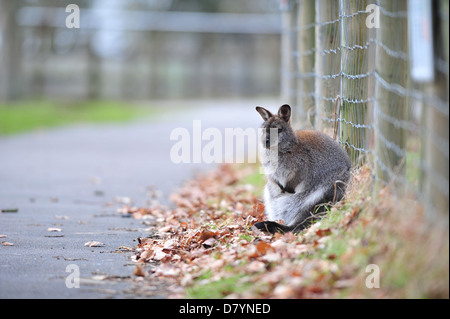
(265, 114)
(284, 112)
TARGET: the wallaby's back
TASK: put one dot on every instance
(325, 153)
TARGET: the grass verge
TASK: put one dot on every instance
(31, 115)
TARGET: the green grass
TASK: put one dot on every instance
(32, 115)
(220, 288)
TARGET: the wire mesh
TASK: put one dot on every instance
(353, 80)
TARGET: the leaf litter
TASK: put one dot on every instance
(209, 237)
(206, 246)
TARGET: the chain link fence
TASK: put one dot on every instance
(375, 76)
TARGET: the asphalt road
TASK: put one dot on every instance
(69, 178)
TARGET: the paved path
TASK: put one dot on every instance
(64, 178)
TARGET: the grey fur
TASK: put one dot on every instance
(303, 171)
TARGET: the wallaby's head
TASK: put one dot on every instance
(280, 123)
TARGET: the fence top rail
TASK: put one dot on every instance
(129, 20)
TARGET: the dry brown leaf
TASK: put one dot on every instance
(209, 242)
(323, 232)
(165, 229)
(206, 234)
(262, 247)
(159, 254)
(94, 243)
(139, 271)
(255, 266)
(184, 226)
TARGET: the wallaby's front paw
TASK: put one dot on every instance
(271, 227)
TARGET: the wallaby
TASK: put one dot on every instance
(311, 170)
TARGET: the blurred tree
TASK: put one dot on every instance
(11, 54)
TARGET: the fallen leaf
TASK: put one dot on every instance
(144, 240)
(344, 283)
(10, 210)
(167, 270)
(123, 200)
(165, 229)
(61, 217)
(255, 266)
(184, 226)
(145, 255)
(94, 243)
(209, 242)
(50, 229)
(139, 271)
(283, 292)
(125, 248)
(159, 254)
(323, 232)
(170, 244)
(259, 208)
(207, 234)
(262, 247)
(5, 243)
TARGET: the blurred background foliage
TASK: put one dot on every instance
(133, 50)
(140, 50)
